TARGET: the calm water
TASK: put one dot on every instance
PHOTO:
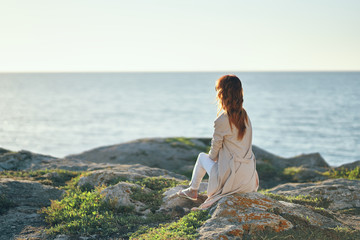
(291, 113)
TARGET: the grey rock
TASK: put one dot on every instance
(241, 213)
(155, 152)
(173, 202)
(119, 195)
(341, 193)
(125, 172)
(312, 217)
(236, 214)
(349, 166)
(22, 221)
(29, 193)
(23, 160)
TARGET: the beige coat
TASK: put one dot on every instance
(235, 167)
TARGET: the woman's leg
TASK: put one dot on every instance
(202, 166)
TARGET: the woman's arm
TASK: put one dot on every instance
(220, 130)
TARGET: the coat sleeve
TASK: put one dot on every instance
(221, 128)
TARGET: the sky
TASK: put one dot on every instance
(186, 35)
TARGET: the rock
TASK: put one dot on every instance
(119, 195)
(179, 155)
(62, 237)
(3, 151)
(124, 172)
(23, 160)
(167, 153)
(305, 160)
(315, 219)
(340, 193)
(28, 193)
(246, 213)
(302, 174)
(22, 220)
(237, 214)
(349, 166)
(174, 203)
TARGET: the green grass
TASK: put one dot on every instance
(5, 203)
(353, 174)
(158, 185)
(185, 228)
(289, 173)
(300, 199)
(84, 211)
(186, 143)
(58, 177)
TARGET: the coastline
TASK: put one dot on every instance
(138, 180)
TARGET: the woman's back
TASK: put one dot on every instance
(241, 149)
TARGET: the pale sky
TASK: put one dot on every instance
(186, 35)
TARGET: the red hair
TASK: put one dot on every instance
(230, 99)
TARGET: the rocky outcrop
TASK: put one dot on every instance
(244, 214)
(176, 205)
(233, 217)
(22, 160)
(167, 153)
(173, 154)
(349, 166)
(119, 195)
(340, 193)
(305, 160)
(28, 193)
(27, 198)
(124, 172)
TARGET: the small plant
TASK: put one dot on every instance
(5, 203)
(300, 199)
(353, 174)
(185, 228)
(185, 143)
(158, 185)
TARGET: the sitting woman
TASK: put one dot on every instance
(230, 164)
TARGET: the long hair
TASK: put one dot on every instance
(230, 99)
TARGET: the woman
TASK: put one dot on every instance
(230, 164)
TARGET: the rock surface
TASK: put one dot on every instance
(246, 213)
(340, 193)
(28, 193)
(174, 203)
(232, 217)
(350, 166)
(22, 160)
(125, 172)
(166, 153)
(119, 195)
(28, 197)
(173, 154)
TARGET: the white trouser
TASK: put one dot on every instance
(203, 165)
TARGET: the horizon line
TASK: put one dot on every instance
(189, 71)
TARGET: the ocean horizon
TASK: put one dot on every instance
(291, 112)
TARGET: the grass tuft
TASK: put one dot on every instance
(5, 203)
(353, 174)
(300, 199)
(185, 228)
(83, 211)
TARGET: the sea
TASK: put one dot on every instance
(292, 113)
